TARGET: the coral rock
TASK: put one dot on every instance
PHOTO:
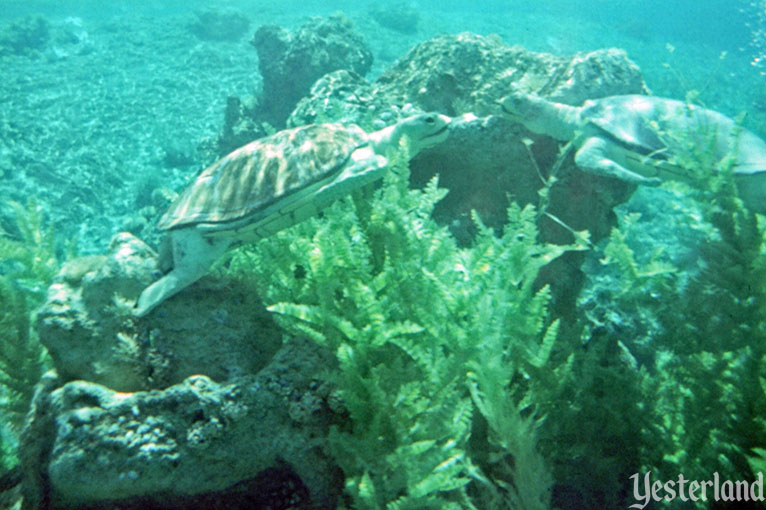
(291, 62)
(25, 36)
(198, 444)
(346, 97)
(468, 72)
(87, 325)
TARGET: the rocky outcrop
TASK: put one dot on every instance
(466, 72)
(291, 62)
(257, 440)
(219, 328)
(346, 97)
(25, 36)
(487, 161)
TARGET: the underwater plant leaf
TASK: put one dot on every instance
(407, 312)
(22, 357)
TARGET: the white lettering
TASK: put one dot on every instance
(636, 494)
(694, 486)
(759, 484)
(670, 489)
(742, 488)
(647, 490)
(727, 491)
(681, 491)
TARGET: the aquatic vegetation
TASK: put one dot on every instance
(695, 337)
(28, 264)
(21, 356)
(426, 334)
(27, 251)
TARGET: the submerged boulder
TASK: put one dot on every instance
(219, 328)
(26, 36)
(487, 160)
(461, 73)
(219, 25)
(257, 441)
(291, 62)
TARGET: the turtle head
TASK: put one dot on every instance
(421, 131)
(521, 107)
(540, 115)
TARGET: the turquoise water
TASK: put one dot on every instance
(112, 107)
(132, 89)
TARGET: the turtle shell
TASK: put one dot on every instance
(261, 173)
(625, 119)
(638, 123)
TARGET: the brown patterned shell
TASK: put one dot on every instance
(258, 174)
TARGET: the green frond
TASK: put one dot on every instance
(29, 254)
(22, 358)
(407, 312)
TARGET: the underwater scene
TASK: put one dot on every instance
(361, 255)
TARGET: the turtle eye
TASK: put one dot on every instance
(430, 119)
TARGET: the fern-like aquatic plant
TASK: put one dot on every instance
(701, 358)
(28, 255)
(28, 264)
(425, 333)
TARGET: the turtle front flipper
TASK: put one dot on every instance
(193, 254)
(596, 156)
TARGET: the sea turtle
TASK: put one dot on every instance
(271, 184)
(633, 137)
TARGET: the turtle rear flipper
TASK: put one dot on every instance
(193, 254)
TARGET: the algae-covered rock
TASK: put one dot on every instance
(486, 161)
(198, 444)
(87, 324)
(291, 62)
(468, 73)
(346, 97)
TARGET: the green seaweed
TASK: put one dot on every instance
(28, 252)
(426, 334)
(696, 349)
(21, 356)
(29, 263)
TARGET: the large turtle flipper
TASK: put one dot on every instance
(596, 155)
(192, 256)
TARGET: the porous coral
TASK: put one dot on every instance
(291, 62)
